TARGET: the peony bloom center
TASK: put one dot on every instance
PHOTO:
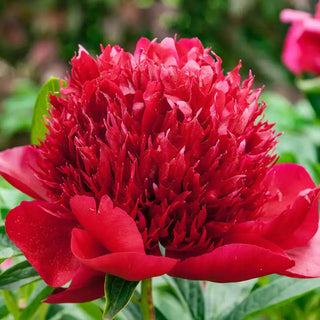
(172, 141)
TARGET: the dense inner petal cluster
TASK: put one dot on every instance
(178, 145)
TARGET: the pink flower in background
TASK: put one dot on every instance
(159, 163)
(301, 52)
(6, 264)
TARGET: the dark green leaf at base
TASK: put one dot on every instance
(118, 293)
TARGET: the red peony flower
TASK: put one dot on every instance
(301, 52)
(159, 163)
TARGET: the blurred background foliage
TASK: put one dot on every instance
(39, 37)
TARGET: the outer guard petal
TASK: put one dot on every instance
(18, 166)
(297, 225)
(307, 259)
(293, 214)
(113, 227)
(131, 266)
(86, 285)
(44, 239)
(286, 180)
(232, 262)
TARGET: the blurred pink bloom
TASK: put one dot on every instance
(6, 264)
(301, 52)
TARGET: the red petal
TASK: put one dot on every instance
(113, 227)
(86, 285)
(294, 212)
(84, 67)
(142, 46)
(286, 180)
(131, 266)
(296, 226)
(232, 262)
(45, 240)
(18, 167)
(307, 259)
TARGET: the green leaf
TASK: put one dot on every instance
(65, 311)
(91, 310)
(301, 148)
(7, 247)
(3, 308)
(281, 112)
(131, 312)
(11, 303)
(273, 294)
(311, 89)
(16, 111)
(41, 292)
(167, 301)
(314, 99)
(191, 293)
(159, 314)
(118, 294)
(6, 243)
(5, 253)
(42, 311)
(10, 197)
(309, 85)
(18, 275)
(38, 128)
(220, 298)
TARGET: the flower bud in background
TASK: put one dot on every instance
(159, 163)
(301, 52)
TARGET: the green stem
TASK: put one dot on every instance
(146, 300)
(11, 303)
(42, 311)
